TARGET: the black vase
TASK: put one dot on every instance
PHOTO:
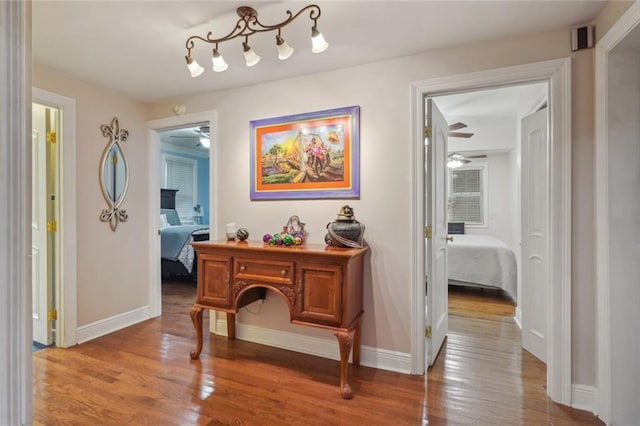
(345, 233)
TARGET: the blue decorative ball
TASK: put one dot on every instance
(242, 234)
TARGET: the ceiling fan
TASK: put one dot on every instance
(455, 160)
(202, 133)
(457, 126)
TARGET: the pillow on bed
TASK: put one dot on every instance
(172, 216)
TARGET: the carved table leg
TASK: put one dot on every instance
(356, 343)
(231, 326)
(196, 318)
(345, 341)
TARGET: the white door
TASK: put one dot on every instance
(39, 238)
(535, 233)
(436, 220)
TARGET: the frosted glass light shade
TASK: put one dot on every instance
(318, 43)
(251, 58)
(219, 64)
(284, 50)
(194, 68)
(454, 164)
(206, 142)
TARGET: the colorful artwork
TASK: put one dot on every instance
(312, 155)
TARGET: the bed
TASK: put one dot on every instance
(177, 255)
(482, 261)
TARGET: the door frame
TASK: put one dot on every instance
(66, 272)
(558, 74)
(629, 20)
(154, 127)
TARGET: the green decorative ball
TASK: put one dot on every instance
(287, 240)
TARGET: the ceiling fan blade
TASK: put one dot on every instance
(183, 136)
(456, 126)
(460, 135)
(476, 156)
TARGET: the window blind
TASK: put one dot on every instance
(466, 196)
(181, 175)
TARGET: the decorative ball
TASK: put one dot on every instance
(242, 234)
(297, 240)
(266, 238)
(287, 240)
(279, 241)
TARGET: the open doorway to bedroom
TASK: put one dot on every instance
(184, 207)
(182, 154)
(496, 174)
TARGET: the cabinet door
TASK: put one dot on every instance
(214, 280)
(319, 294)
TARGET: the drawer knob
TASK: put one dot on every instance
(243, 268)
(283, 272)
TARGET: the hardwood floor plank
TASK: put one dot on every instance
(143, 375)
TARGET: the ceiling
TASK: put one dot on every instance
(138, 47)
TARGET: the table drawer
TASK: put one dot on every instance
(258, 270)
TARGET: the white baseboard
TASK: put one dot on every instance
(109, 325)
(383, 359)
(518, 317)
(583, 397)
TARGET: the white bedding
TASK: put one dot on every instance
(482, 260)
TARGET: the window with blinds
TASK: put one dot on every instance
(466, 196)
(181, 173)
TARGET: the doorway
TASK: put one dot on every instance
(168, 127)
(493, 141)
(54, 284)
(557, 72)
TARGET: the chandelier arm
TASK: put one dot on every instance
(250, 24)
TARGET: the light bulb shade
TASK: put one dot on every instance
(284, 50)
(454, 164)
(318, 43)
(218, 62)
(250, 57)
(206, 142)
(194, 68)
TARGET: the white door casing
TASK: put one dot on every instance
(436, 220)
(535, 233)
(41, 297)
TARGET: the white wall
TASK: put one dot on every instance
(382, 90)
(624, 248)
(489, 133)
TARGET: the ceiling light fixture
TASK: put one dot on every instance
(247, 25)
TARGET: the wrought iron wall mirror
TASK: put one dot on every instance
(114, 174)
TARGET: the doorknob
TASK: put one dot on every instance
(427, 232)
(449, 238)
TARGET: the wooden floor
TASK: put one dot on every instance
(143, 375)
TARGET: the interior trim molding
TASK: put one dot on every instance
(153, 140)
(16, 377)
(629, 20)
(383, 359)
(112, 324)
(558, 73)
(583, 397)
(66, 287)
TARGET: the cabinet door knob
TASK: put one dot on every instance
(283, 272)
(243, 268)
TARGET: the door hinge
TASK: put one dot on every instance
(52, 315)
(52, 226)
(52, 137)
(427, 332)
(427, 132)
(427, 232)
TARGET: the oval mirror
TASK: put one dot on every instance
(114, 174)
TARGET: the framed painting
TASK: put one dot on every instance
(306, 156)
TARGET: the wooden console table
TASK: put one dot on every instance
(322, 286)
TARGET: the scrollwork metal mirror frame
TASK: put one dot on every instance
(114, 214)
